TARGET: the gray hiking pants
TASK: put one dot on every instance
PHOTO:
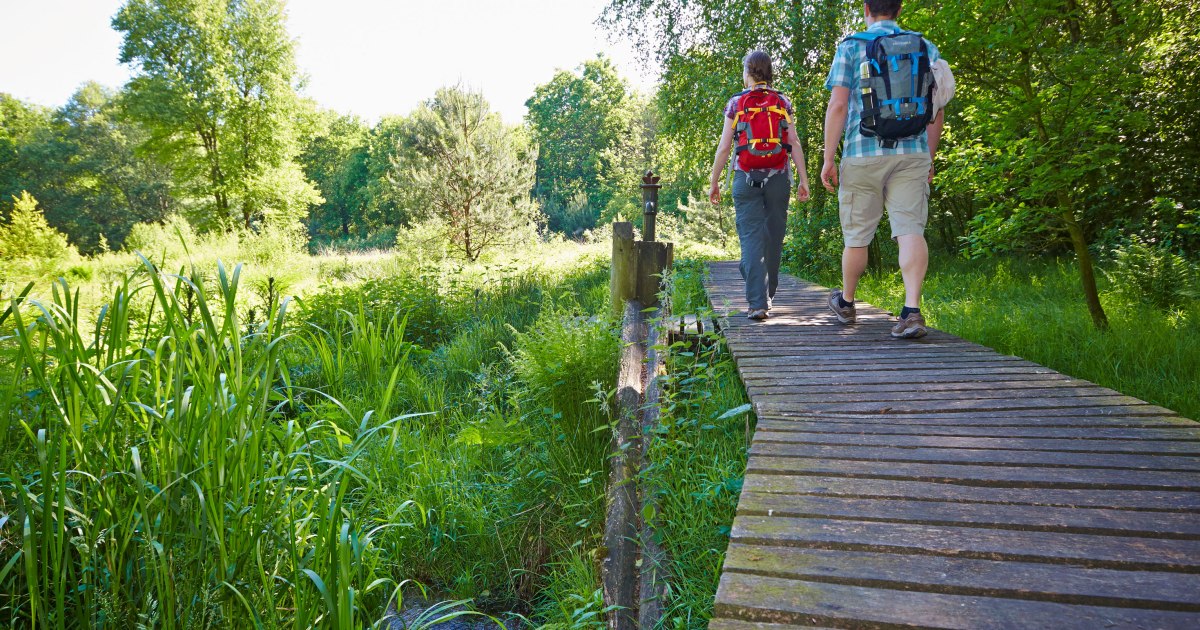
(761, 222)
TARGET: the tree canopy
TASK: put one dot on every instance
(216, 90)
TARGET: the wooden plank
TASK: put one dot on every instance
(770, 403)
(768, 394)
(764, 598)
(1097, 416)
(967, 474)
(1055, 459)
(932, 491)
(817, 346)
(817, 352)
(982, 359)
(619, 571)
(737, 624)
(1149, 447)
(1077, 520)
(970, 576)
(855, 379)
(1115, 552)
(833, 371)
(823, 387)
(1089, 432)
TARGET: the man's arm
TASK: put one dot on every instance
(721, 159)
(835, 126)
(934, 130)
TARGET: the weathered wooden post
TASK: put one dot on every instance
(623, 276)
(650, 188)
(638, 266)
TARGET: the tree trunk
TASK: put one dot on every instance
(1087, 272)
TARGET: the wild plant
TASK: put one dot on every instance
(175, 482)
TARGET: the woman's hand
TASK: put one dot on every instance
(802, 192)
(714, 194)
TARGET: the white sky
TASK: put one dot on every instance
(368, 57)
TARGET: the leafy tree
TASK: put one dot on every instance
(20, 123)
(80, 160)
(216, 89)
(390, 152)
(1051, 91)
(471, 173)
(27, 236)
(584, 123)
(335, 159)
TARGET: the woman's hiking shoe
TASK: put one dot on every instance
(845, 314)
(911, 327)
(757, 314)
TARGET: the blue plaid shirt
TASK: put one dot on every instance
(844, 73)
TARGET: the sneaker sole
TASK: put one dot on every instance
(916, 332)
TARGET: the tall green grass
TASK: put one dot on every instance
(177, 481)
(1034, 309)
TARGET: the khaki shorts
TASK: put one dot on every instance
(867, 184)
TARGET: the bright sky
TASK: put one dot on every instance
(368, 57)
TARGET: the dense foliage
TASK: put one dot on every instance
(593, 135)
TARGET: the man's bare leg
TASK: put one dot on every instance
(854, 263)
(914, 262)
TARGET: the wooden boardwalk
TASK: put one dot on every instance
(937, 483)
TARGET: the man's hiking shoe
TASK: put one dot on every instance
(911, 327)
(757, 314)
(845, 314)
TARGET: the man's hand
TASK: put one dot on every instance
(802, 192)
(714, 194)
(829, 176)
(930, 174)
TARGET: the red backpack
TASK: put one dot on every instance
(760, 131)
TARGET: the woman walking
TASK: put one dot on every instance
(760, 119)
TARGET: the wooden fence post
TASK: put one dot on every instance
(623, 281)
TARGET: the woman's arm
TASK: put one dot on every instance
(802, 190)
(721, 159)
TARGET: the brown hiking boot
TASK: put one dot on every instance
(845, 314)
(911, 327)
(756, 314)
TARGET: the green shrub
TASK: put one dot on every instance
(1152, 274)
(27, 236)
(169, 239)
(430, 318)
(562, 357)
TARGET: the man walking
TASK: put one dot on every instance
(892, 163)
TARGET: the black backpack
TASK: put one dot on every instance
(896, 86)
